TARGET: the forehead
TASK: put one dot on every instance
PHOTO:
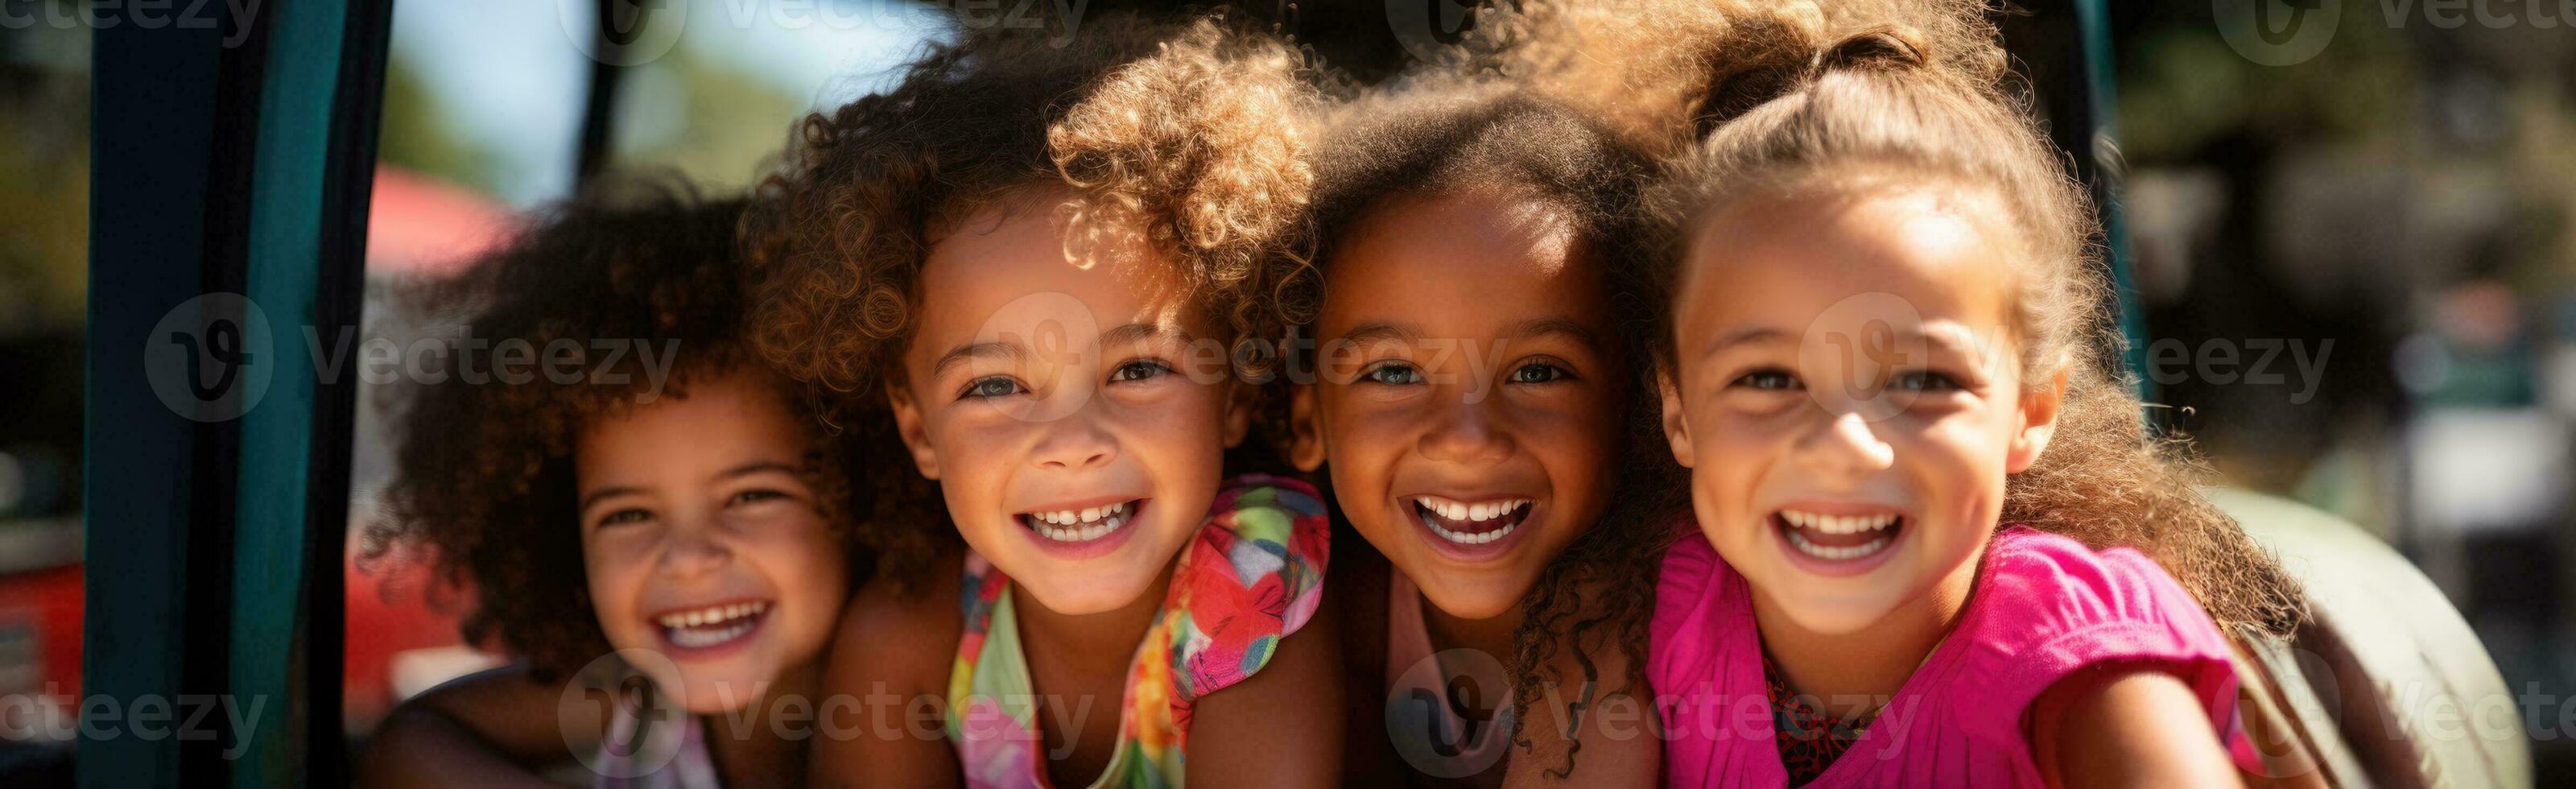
(715, 417)
(1016, 262)
(1937, 250)
(1464, 260)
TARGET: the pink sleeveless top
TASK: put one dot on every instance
(2045, 606)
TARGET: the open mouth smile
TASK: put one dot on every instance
(1846, 542)
(712, 627)
(1081, 525)
(1471, 524)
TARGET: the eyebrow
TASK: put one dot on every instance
(744, 470)
(1368, 333)
(972, 351)
(1139, 331)
(1758, 334)
(1557, 327)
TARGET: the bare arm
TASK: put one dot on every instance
(492, 728)
(888, 664)
(1282, 726)
(2133, 725)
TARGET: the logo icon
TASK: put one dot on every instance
(209, 358)
(1451, 726)
(1427, 27)
(647, 725)
(2277, 32)
(622, 32)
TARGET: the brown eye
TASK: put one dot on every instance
(1139, 370)
(1767, 380)
(1924, 381)
(755, 497)
(625, 516)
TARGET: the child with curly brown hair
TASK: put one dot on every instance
(640, 506)
(1049, 255)
(1936, 545)
(1478, 386)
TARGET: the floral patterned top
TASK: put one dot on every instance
(1253, 574)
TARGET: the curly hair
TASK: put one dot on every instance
(1444, 136)
(1646, 68)
(1817, 107)
(483, 487)
(1188, 135)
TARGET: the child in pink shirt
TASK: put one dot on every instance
(1911, 457)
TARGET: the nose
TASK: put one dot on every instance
(1845, 447)
(1469, 433)
(694, 549)
(1074, 443)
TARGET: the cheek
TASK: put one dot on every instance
(810, 569)
(616, 574)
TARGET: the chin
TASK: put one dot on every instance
(720, 692)
(1471, 604)
(1836, 620)
(1078, 597)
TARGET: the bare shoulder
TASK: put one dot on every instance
(2118, 725)
(909, 635)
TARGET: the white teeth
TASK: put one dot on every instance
(1839, 524)
(1476, 538)
(693, 624)
(1456, 511)
(1084, 526)
(1832, 553)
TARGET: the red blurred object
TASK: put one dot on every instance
(419, 225)
(40, 613)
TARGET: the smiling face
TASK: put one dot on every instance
(1849, 397)
(703, 541)
(1075, 413)
(1467, 394)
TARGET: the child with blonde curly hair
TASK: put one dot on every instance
(1045, 262)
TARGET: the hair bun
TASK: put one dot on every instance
(1877, 49)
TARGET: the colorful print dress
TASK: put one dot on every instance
(1252, 575)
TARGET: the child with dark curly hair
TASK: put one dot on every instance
(1050, 255)
(653, 530)
(1477, 389)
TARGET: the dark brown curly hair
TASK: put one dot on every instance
(1439, 136)
(1813, 106)
(483, 487)
(1189, 135)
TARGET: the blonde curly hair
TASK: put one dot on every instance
(1189, 135)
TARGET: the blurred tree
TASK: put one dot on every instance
(417, 134)
(44, 179)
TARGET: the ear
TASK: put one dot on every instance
(1676, 425)
(907, 423)
(2039, 408)
(1306, 444)
(1239, 404)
